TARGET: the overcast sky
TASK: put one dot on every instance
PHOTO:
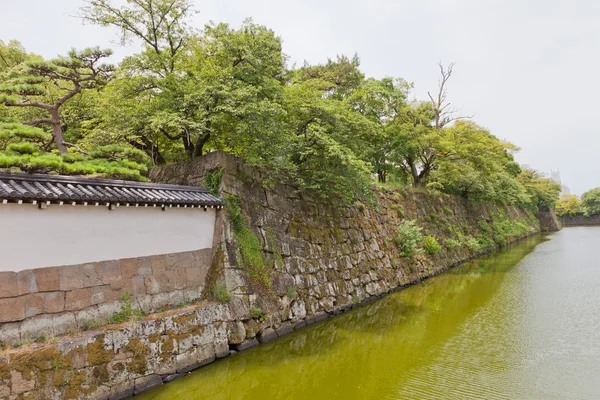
(527, 70)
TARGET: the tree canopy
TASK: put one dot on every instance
(325, 127)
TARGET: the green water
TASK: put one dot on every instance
(523, 323)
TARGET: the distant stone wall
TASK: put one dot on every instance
(54, 300)
(549, 222)
(580, 220)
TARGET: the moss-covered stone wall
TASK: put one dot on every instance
(281, 261)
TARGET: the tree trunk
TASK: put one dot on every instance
(199, 148)
(57, 132)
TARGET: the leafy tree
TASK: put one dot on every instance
(590, 201)
(160, 24)
(569, 204)
(543, 191)
(29, 86)
(326, 136)
(381, 102)
(474, 163)
(11, 55)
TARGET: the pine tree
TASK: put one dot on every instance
(46, 86)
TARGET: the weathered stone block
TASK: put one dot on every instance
(102, 294)
(47, 279)
(12, 309)
(146, 383)
(71, 277)
(267, 335)
(247, 344)
(109, 271)
(8, 284)
(19, 383)
(237, 332)
(129, 267)
(26, 282)
(90, 275)
(78, 299)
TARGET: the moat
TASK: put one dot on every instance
(517, 324)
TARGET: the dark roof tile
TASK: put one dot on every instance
(21, 186)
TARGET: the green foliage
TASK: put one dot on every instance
(408, 238)
(484, 226)
(542, 191)
(127, 311)
(258, 313)
(88, 324)
(472, 244)
(431, 245)
(212, 181)
(221, 293)
(569, 205)
(21, 149)
(250, 251)
(452, 244)
(590, 201)
(291, 292)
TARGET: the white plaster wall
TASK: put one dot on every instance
(63, 235)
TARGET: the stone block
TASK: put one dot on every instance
(171, 377)
(267, 335)
(26, 282)
(146, 383)
(12, 309)
(10, 333)
(102, 294)
(19, 383)
(157, 264)
(90, 275)
(129, 267)
(78, 299)
(109, 271)
(33, 305)
(195, 358)
(71, 277)
(144, 266)
(299, 325)
(282, 283)
(284, 329)
(239, 308)
(247, 345)
(8, 284)
(122, 390)
(47, 279)
(152, 284)
(237, 332)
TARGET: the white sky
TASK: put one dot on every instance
(528, 70)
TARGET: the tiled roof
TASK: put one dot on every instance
(38, 188)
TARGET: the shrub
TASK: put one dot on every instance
(221, 293)
(452, 244)
(431, 245)
(472, 244)
(127, 311)
(408, 238)
(258, 313)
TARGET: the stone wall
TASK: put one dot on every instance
(549, 222)
(580, 220)
(324, 258)
(54, 300)
(321, 260)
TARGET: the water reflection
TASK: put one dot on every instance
(469, 333)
